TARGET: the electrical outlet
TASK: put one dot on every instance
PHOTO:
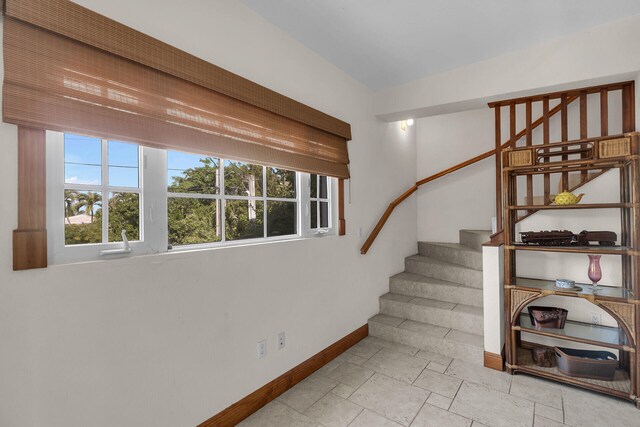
(596, 319)
(262, 349)
(281, 341)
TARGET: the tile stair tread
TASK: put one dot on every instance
(412, 277)
(457, 246)
(454, 335)
(426, 259)
(434, 303)
(465, 338)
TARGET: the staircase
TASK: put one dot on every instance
(436, 303)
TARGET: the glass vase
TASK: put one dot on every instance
(594, 272)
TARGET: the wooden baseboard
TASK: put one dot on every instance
(494, 361)
(265, 394)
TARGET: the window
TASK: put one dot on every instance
(169, 200)
(319, 198)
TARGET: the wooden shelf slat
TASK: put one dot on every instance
(619, 387)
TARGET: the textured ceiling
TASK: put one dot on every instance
(383, 43)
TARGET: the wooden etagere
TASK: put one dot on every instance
(622, 303)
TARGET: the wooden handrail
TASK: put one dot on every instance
(387, 213)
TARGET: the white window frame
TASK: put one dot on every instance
(154, 196)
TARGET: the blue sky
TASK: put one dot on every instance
(83, 157)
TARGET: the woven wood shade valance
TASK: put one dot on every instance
(70, 69)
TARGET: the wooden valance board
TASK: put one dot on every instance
(67, 68)
(70, 69)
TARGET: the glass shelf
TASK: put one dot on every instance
(576, 206)
(586, 290)
(594, 249)
(605, 336)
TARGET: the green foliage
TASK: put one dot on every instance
(124, 214)
(192, 220)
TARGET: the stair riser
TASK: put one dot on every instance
(448, 272)
(442, 346)
(473, 240)
(457, 295)
(436, 316)
(456, 256)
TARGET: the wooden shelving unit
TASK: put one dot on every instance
(621, 302)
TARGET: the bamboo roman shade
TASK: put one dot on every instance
(70, 69)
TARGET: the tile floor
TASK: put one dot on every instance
(379, 383)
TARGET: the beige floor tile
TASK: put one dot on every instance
(437, 367)
(343, 390)
(277, 414)
(491, 378)
(396, 365)
(434, 357)
(368, 418)
(546, 422)
(364, 349)
(391, 398)
(492, 407)
(436, 382)
(333, 411)
(549, 412)
(307, 392)
(537, 389)
(586, 408)
(357, 360)
(331, 365)
(430, 416)
(350, 374)
(440, 401)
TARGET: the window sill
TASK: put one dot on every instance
(183, 252)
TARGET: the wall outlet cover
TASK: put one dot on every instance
(281, 341)
(596, 319)
(262, 349)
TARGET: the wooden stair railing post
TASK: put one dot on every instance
(498, 159)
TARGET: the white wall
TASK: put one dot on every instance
(170, 340)
(464, 199)
(606, 53)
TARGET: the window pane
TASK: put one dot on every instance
(124, 214)
(324, 214)
(242, 179)
(123, 164)
(193, 221)
(244, 219)
(323, 187)
(281, 183)
(313, 184)
(314, 214)
(82, 217)
(281, 218)
(192, 173)
(82, 160)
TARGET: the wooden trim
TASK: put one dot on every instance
(555, 95)
(30, 238)
(494, 361)
(604, 112)
(496, 239)
(342, 225)
(265, 394)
